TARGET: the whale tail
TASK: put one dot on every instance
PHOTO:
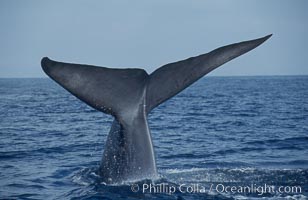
(129, 95)
(114, 91)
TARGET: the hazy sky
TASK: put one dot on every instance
(148, 34)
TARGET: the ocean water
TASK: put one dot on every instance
(220, 133)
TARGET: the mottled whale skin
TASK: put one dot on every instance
(129, 95)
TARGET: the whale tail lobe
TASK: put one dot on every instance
(172, 78)
(111, 91)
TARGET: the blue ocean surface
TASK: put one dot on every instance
(245, 133)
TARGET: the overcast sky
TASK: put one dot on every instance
(148, 34)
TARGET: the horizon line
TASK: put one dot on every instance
(43, 77)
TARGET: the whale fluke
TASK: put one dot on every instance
(172, 78)
(111, 91)
(129, 95)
